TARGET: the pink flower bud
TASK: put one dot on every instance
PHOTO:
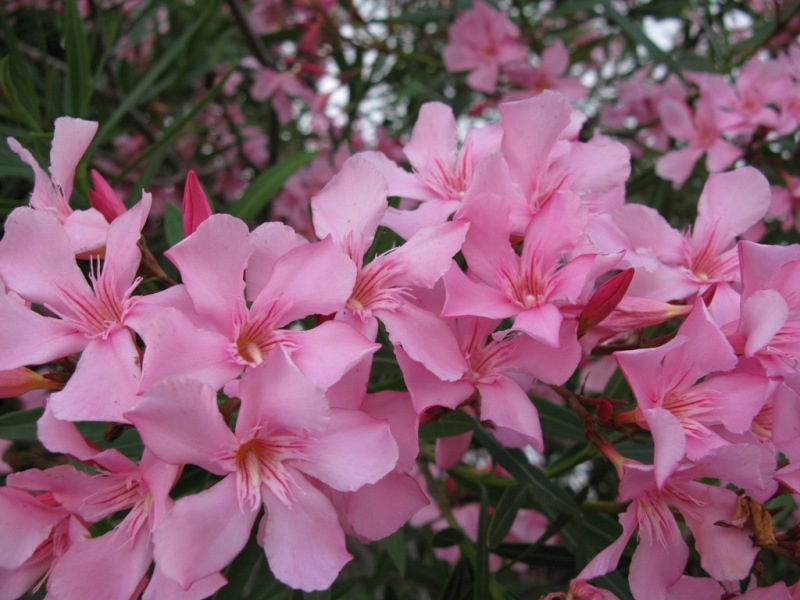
(196, 207)
(104, 199)
(22, 380)
(604, 300)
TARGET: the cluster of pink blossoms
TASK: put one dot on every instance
(255, 367)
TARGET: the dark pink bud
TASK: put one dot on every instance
(196, 207)
(604, 300)
(104, 199)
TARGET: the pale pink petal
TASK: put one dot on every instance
(396, 408)
(506, 405)
(327, 352)
(658, 563)
(63, 437)
(180, 422)
(87, 230)
(677, 119)
(423, 259)
(276, 393)
(186, 534)
(427, 390)
(669, 440)
(542, 323)
(270, 241)
(736, 399)
(764, 313)
(380, 509)
(548, 114)
(484, 77)
(399, 181)
(351, 206)
(721, 154)
(309, 279)
(695, 587)
(44, 196)
(212, 262)
(406, 223)
(676, 166)
(104, 384)
(466, 298)
(431, 149)
(162, 587)
(449, 450)
(28, 338)
(354, 450)
(119, 562)
(426, 339)
(27, 522)
(543, 361)
(304, 542)
(122, 255)
(36, 258)
(727, 553)
(177, 348)
(70, 141)
(730, 204)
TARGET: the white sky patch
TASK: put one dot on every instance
(662, 32)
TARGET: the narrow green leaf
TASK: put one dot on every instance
(264, 187)
(16, 84)
(453, 423)
(78, 86)
(173, 224)
(481, 589)
(20, 425)
(395, 546)
(9, 83)
(147, 82)
(459, 584)
(444, 538)
(505, 513)
(559, 421)
(548, 493)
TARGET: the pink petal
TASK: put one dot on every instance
(466, 298)
(70, 141)
(351, 206)
(608, 559)
(354, 450)
(271, 241)
(721, 154)
(380, 509)
(63, 437)
(212, 262)
(304, 542)
(27, 522)
(104, 199)
(119, 562)
(104, 384)
(677, 119)
(426, 339)
(180, 422)
(36, 257)
(676, 166)
(162, 587)
(427, 390)
(44, 196)
(449, 450)
(669, 440)
(308, 280)
(543, 361)
(327, 352)
(432, 147)
(276, 393)
(195, 207)
(396, 408)
(28, 338)
(399, 181)
(406, 223)
(506, 405)
(542, 323)
(424, 258)
(658, 563)
(87, 231)
(186, 534)
(177, 348)
(737, 399)
(123, 256)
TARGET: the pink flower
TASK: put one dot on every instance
(285, 437)
(480, 40)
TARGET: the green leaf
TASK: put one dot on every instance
(173, 224)
(444, 538)
(481, 589)
(147, 82)
(20, 425)
(264, 187)
(78, 85)
(549, 494)
(395, 546)
(459, 584)
(559, 421)
(505, 513)
(10, 85)
(453, 423)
